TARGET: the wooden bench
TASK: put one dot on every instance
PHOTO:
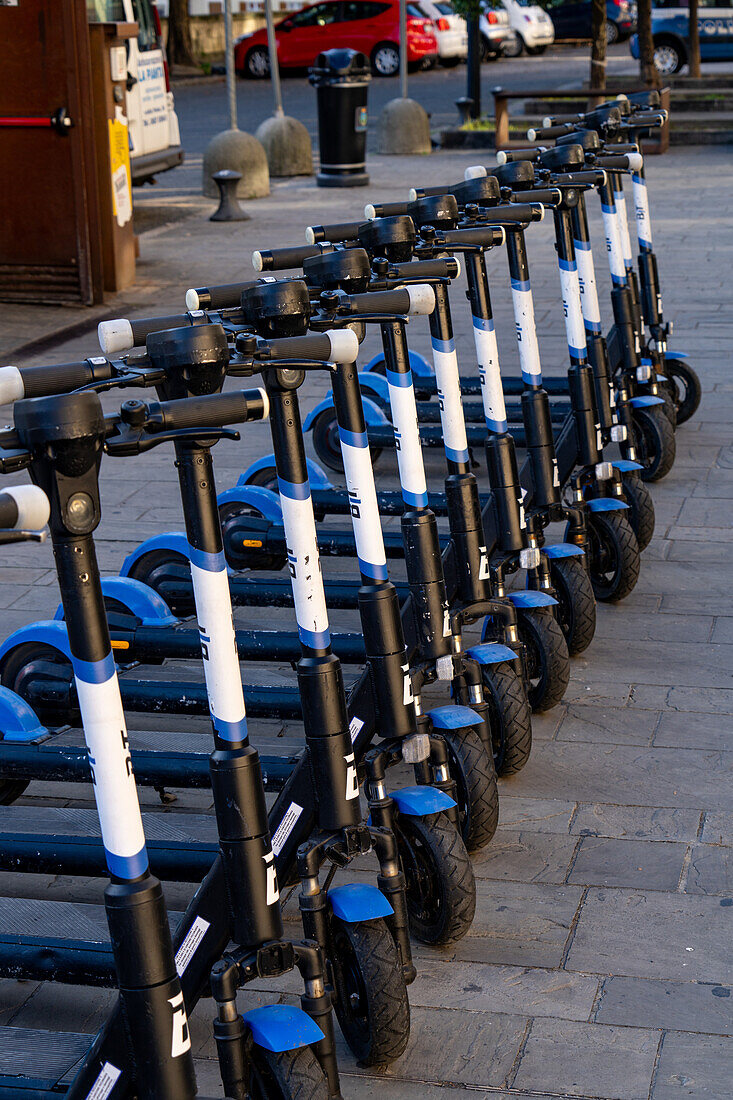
(657, 144)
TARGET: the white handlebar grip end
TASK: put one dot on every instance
(475, 172)
(503, 230)
(192, 300)
(546, 121)
(344, 345)
(32, 504)
(257, 261)
(310, 237)
(115, 336)
(501, 156)
(622, 97)
(542, 209)
(531, 134)
(636, 161)
(265, 403)
(460, 269)
(412, 196)
(369, 212)
(422, 299)
(11, 385)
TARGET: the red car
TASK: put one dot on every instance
(372, 26)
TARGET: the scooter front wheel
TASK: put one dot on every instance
(641, 509)
(472, 768)
(326, 442)
(289, 1075)
(686, 386)
(576, 610)
(613, 555)
(441, 889)
(371, 1003)
(510, 716)
(655, 443)
(547, 660)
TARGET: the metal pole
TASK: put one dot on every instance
(231, 75)
(473, 66)
(274, 66)
(403, 48)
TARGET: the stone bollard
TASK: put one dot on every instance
(238, 152)
(403, 127)
(287, 145)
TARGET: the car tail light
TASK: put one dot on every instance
(492, 18)
(443, 25)
(159, 36)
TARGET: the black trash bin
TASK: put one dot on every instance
(341, 79)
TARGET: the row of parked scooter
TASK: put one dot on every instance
(592, 442)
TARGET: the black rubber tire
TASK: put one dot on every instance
(260, 59)
(655, 443)
(478, 797)
(371, 1001)
(535, 51)
(290, 1075)
(576, 612)
(676, 57)
(669, 407)
(511, 718)
(613, 555)
(687, 385)
(612, 34)
(641, 509)
(266, 477)
(11, 790)
(548, 660)
(441, 889)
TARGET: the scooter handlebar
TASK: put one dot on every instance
(224, 296)
(385, 209)
(509, 156)
(429, 269)
(19, 382)
(335, 233)
(618, 162)
(418, 300)
(23, 508)
(282, 259)
(213, 410)
(485, 237)
(548, 131)
(332, 346)
(121, 334)
(511, 213)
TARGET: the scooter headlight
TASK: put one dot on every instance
(643, 372)
(529, 558)
(619, 433)
(604, 471)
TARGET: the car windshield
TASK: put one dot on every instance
(445, 9)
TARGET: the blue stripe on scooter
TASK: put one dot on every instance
(592, 326)
(582, 246)
(567, 265)
(127, 867)
(353, 439)
(484, 323)
(457, 456)
(608, 209)
(416, 500)
(230, 731)
(400, 380)
(212, 563)
(442, 345)
(295, 491)
(499, 426)
(315, 639)
(577, 353)
(618, 280)
(376, 572)
(94, 672)
(520, 284)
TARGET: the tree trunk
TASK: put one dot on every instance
(694, 59)
(179, 47)
(647, 70)
(598, 44)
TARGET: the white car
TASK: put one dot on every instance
(449, 29)
(155, 141)
(497, 36)
(532, 25)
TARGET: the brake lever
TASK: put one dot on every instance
(135, 441)
(12, 535)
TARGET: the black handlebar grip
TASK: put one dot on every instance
(508, 156)
(429, 269)
(514, 212)
(548, 196)
(592, 177)
(122, 334)
(613, 162)
(282, 259)
(335, 233)
(214, 410)
(224, 296)
(382, 301)
(431, 192)
(386, 209)
(486, 236)
(63, 377)
(543, 133)
(314, 345)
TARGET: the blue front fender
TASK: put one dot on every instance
(140, 599)
(419, 365)
(357, 901)
(453, 716)
(175, 541)
(282, 1027)
(317, 476)
(46, 632)
(377, 383)
(491, 653)
(421, 801)
(263, 500)
(625, 465)
(372, 412)
(645, 401)
(606, 504)
(531, 597)
(18, 721)
(563, 550)
(676, 354)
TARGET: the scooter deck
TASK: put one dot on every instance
(60, 840)
(34, 1062)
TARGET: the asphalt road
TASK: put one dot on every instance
(202, 108)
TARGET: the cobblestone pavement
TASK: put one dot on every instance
(600, 963)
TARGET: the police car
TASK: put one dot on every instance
(671, 31)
